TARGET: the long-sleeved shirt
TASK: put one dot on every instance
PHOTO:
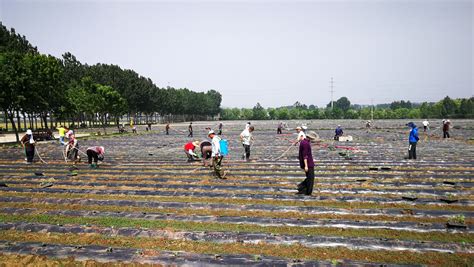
(413, 137)
(216, 146)
(305, 154)
(246, 136)
(96, 149)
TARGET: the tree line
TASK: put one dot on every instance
(37, 86)
(343, 109)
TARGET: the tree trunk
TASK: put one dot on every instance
(18, 121)
(11, 116)
(45, 118)
(6, 121)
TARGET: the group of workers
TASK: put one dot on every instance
(212, 152)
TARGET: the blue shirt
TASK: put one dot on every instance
(413, 138)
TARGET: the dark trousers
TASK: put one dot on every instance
(306, 187)
(445, 134)
(424, 128)
(247, 151)
(278, 130)
(92, 154)
(30, 153)
(217, 166)
(412, 150)
(190, 134)
(219, 132)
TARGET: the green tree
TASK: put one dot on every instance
(258, 112)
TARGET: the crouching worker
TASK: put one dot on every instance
(216, 155)
(339, 133)
(189, 150)
(307, 163)
(96, 153)
(206, 152)
(28, 143)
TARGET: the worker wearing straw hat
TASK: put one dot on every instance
(306, 163)
(28, 144)
(189, 150)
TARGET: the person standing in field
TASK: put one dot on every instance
(246, 137)
(280, 126)
(305, 157)
(412, 140)
(72, 149)
(220, 129)
(62, 133)
(426, 123)
(190, 129)
(446, 126)
(28, 143)
(301, 135)
(167, 129)
(216, 155)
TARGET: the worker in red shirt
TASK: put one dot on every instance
(189, 150)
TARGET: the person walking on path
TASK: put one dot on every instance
(206, 152)
(62, 133)
(216, 155)
(219, 132)
(190, 129)
(412, 140)
(96, 153)
(246, 137)
(167, 129)
(426, 123)
(446, 126)
(339, 133)
(305, 157)
(28, 143)
(189, 150)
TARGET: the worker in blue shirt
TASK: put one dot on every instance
(412, 139)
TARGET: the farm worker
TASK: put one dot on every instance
(189, 150)
(426, 123)
(149, 126)
(96, 153)
(62, 132)
(28, 143)
(220, 129)
(72, 149)
(247, 125)
(167, 129)
(246, 137)
(134, 129)
(216, 155)
(339, 132)
(190, 129)
(368, 124)
(305, 157)
(206, 152)
(301, 135)
(446, 126)
(280, 126)
(412, 140)
(69, 132)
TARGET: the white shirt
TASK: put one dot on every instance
(425, 123)
(246, 136)
(301, 135)
(216, 147)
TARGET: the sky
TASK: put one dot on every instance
(271, 52)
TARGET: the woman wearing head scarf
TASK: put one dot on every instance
(28, 143)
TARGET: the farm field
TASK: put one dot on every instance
(146, 204)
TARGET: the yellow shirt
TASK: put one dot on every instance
(61, 130)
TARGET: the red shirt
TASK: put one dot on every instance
(189, 146)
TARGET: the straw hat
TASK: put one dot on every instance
(29, 132)
(211, 132)
(312, 136)
(196, 143)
